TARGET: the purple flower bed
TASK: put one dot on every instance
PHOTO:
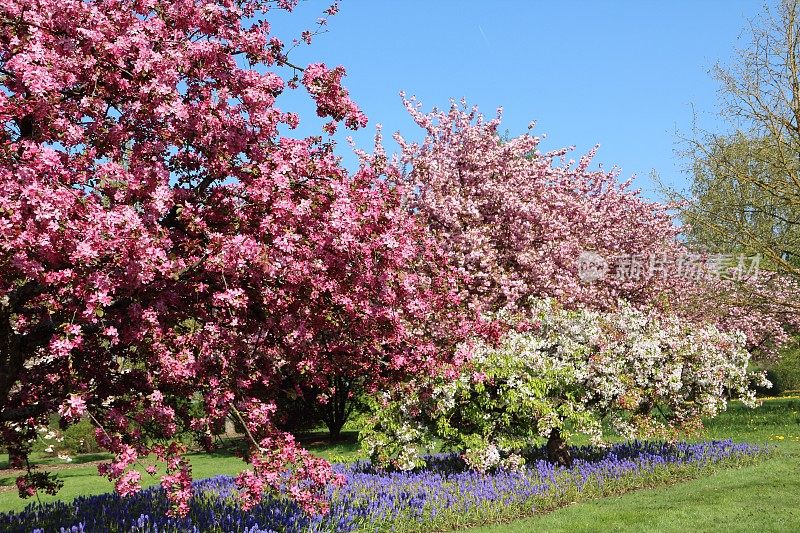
(444, 493)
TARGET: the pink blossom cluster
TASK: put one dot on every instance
(73, 409)
(280, 463)
(516, 220)
(177, 482)
(517, 223)
(161, 243)
(332, 99)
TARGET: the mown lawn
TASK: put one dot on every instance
(762, 497)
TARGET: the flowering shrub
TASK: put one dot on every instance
(560, 371)
(516, 220)
(444, 495)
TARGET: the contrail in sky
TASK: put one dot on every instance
(484, 38)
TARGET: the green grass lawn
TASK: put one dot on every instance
(761, 497)
(83, 480)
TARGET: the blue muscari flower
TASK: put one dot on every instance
(372, 498)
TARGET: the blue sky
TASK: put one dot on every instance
(622, 74)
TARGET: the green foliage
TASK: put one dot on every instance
(786, 371)
(737, 206)
(79, 438)
(783, 373)
(75, 439)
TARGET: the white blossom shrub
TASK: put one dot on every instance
(645, 375)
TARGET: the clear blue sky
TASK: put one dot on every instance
(623, 74)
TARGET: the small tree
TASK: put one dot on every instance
(168, 258)
(335, 406)
(730, 210)
(517, 221)
(521, 225)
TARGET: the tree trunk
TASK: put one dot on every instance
(16, 459)
(557, 450)
(230, 428)
(337, 410)
(335, 428)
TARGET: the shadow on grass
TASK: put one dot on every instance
(39, 459)
(344, 446)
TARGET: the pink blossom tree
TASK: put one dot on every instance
(522, 224)
(168, 258)
(516, 221)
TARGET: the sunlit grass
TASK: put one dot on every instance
(761, 497)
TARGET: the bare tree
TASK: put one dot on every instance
(745, 195)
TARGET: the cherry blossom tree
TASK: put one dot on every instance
(169, 257)
(520, 224)
(516, 220)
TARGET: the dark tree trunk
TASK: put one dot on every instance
(16, 458)
(557, 450)
(335, 427)
(337, 410)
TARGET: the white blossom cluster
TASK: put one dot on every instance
(651, 376)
